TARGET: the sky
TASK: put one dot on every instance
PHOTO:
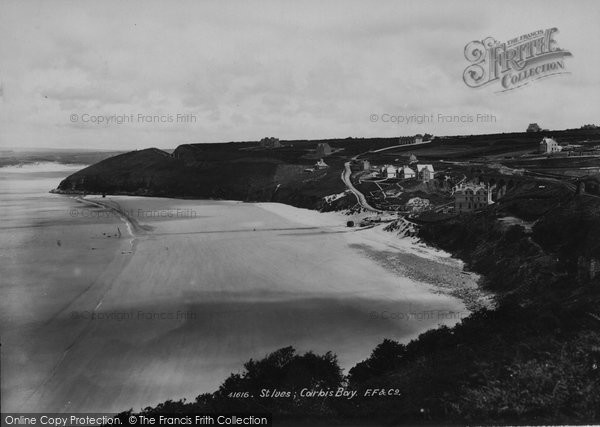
(137, 74)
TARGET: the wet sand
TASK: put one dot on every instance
(203, 286)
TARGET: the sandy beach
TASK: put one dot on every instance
(168, 307)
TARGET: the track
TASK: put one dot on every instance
(362, 200)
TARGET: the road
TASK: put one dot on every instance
(362, 200)
(399, 146)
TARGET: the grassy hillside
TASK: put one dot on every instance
(245, 171)
(220, 171)
(500, 146)
(236, 171)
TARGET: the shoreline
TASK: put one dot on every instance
(77, 261)
(410, 247)
(133, 226)
(308, 296)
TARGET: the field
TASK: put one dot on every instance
(505, 162)
(246, 171)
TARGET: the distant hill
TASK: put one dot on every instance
(245, 171)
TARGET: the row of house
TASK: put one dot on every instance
(405, 140)
(367, 165)
(425, 172)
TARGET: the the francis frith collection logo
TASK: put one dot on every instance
(514, 63)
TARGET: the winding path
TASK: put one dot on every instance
(399, 146)
(362, 200)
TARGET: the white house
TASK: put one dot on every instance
(406, 172)
(548, 145)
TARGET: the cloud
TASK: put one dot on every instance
(293, 70)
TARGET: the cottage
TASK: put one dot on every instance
(406, 173)
(270, 142)
(323, 149)
(425, 172)
(366, 165)
(469, 197)
(321, 164)
(548, 146)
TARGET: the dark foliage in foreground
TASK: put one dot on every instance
(510, 365)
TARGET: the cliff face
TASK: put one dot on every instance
(139, 172)
(220, 171)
